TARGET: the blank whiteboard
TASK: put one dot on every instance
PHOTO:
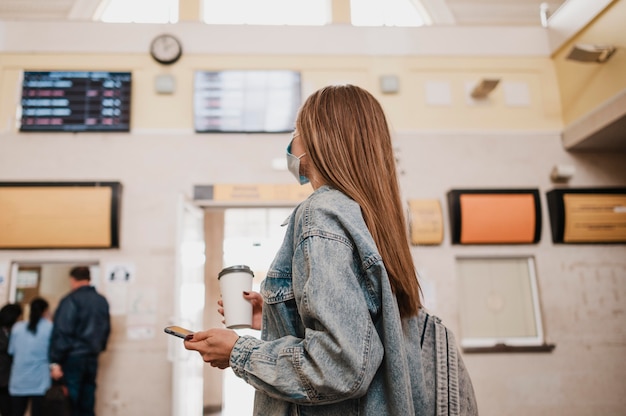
(59, 215)
(499, 301)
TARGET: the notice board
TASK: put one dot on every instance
(425, 221)
(579, 215)
(495, 216)
(59, 215)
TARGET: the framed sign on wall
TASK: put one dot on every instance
(495, 216)
(596, 215)
(59, 214)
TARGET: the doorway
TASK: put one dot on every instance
(46, 279)
(238, 235)
(252, 236)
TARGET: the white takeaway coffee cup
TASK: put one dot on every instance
(234, 280)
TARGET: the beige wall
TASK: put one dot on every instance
(463, 144)
(408, 110)
(585, 86)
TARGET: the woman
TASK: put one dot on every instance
(341, 320)
(8, 317)
(30, 375)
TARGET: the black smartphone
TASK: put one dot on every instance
(178, 331)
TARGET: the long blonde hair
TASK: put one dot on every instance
(346, 136)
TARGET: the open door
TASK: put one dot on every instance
(188, 289)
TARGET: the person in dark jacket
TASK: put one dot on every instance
(81, 331)
(8, 317)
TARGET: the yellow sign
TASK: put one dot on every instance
(55, 217)
(274, 193)
(426, 222)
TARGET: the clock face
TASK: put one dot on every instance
(166, 49)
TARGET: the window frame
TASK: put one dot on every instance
(496, 341)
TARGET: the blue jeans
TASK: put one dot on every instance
(79, 374)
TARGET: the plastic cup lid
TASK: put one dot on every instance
(234, 269)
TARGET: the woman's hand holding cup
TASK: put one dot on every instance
(256, 300)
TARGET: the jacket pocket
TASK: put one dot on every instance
(280, 312)
(277, 290)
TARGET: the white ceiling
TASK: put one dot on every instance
(47, 9)
(488, 12)
(457, 12)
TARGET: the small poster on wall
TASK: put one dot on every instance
(120, 272)
(426, 221)
(142, 311)
(117, 277)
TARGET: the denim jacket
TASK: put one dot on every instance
(332, 341)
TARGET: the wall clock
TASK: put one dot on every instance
(166, 49)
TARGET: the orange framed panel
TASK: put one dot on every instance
(495, 216)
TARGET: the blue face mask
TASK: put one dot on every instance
(293, 164)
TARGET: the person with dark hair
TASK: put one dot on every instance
(344, 331)
(29, 345)
(81, 332)
(8, 317)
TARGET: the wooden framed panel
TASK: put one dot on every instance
(426, 222)
(59, 215)
(587, 215)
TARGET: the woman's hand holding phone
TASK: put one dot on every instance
(214, 345)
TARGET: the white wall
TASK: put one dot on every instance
(581, 287)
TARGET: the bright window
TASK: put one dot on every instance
(385, 13)
(252, 236)
(405, 13)
(267, 12)
(139, 11)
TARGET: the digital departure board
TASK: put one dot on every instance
(75, 101)
(246, 101)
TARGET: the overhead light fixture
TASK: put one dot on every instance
(484, 88)
(591, 53)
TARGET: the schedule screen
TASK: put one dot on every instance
(246, 101)
(75, 101)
